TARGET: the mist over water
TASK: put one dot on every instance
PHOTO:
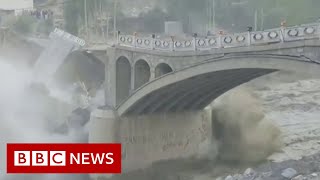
(242, 131)
(24, 118)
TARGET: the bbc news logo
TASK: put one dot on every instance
(64, 158)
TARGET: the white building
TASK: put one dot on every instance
(16, 5)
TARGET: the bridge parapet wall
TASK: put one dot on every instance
(309, 31)
(265, 37)
(277, 35)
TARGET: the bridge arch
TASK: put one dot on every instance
(162, 69)
(123, 79)
(141, 73)
(195, 87)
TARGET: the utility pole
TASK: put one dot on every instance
(213, 15)
(209, 15)
(115, 20)
(86, 18)
(101, 20)
(262, 20)
(255, 20)
(108, 20)
(209, 24)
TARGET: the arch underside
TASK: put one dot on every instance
(194, 93)
(195, 87)
(142, 73)
(162, 69)
(123, 79)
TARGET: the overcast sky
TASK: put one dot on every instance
(16, 4)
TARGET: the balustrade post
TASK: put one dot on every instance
(118, 36)
(135, 39)
(249, 35)
(220, 39)
(173, 45)
(195, 41)
(249, 38)
(282, 32)
(153, 41)
(173, 48)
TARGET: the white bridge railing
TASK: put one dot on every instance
(278, 35)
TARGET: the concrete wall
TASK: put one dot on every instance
(162, 137)
(149, 139)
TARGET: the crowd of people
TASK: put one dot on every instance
(39, 14)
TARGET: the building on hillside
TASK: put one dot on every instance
(4, 12)
(131, 24)
(55, 6)
(9, 8)
(173, 28)
(16, 6)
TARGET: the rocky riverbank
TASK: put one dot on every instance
(307, 168)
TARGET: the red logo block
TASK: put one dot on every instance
(64, 158)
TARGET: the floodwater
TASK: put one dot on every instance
(296, 107)
(277, 115)
(280, 121)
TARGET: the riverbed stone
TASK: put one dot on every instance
(299, 177)
(229, 178)
(238, 177)
(289, 173)
(249, 172)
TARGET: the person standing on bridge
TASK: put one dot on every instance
(283, 23)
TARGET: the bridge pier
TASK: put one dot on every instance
(152, 138)
(103, 128)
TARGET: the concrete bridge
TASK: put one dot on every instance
(161, 86)
(140, 73)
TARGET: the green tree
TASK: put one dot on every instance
(71, 16)
(300, 12)
(24, 24)
(74, 11)
(45, 27)
(236, 15)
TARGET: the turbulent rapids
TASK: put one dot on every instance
(243, 132)
(250, 124)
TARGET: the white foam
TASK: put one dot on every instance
(22, 117)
